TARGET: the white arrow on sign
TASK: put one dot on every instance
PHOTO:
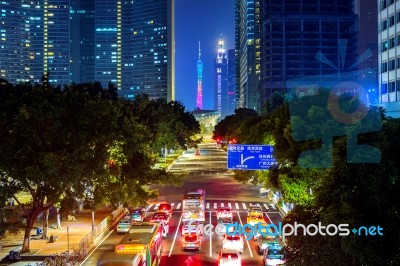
(189, 261)
(243, 160)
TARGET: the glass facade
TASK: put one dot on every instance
(389, 56)
(295, 31)
(82, 45)
(247, 45)
(231, 81)
(221, 80)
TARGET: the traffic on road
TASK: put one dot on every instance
(164, 232)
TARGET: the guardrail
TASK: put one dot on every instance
(89, 241)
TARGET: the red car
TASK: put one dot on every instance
(165, 207)
(159, 217)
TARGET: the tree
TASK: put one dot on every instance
(52, 141)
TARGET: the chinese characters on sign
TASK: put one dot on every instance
(250, 157)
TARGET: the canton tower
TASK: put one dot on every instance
(199, 99)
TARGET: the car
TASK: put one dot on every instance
(274, 256)
(124, 225)
(160, 217)
(224, 212)
(165, 207)
(194, 226)
(255, 218)
(255, 208)
(228, 257)
(137, 215)
(191, 241)
(226, 221)
(263, 242)
(233, 242)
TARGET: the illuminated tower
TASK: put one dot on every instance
(199, 99)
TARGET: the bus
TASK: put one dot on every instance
(141, 246)
(193, 205)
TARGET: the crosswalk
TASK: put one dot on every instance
(211, 206)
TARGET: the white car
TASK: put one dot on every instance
(273, 256)
(255, 208)
(224, 212)
(194, 226)
(124, 225)
(234, 242)
(228, 257)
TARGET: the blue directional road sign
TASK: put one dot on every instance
(250, 157)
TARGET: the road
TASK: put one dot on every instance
(207, 171)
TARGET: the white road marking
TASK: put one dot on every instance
(179, 205)
(237, 205)
(266, 206)
(210, 239)
(172, 204)
(230, 205)
(273, 206)
(244, 236)
(222, 204)
(176, 234)
(148, 208)
(215, 205)
(244, 206)
(208, 205)
(156, 207)
(270, 221)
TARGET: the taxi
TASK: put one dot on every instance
(137, 215)
(255, 217)
(264, 242)
(124, 225)
(191, 241)
(274, 256)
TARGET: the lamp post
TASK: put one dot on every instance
(68, 242)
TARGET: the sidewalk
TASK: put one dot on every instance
(40, 248)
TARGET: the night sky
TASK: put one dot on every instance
(204, 21)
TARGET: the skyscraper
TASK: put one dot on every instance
(247, 44)
(153, 41)
(199, 98)
(294, 32)
(231, 81)
(82, 37)
(221, 80)
(389, 61)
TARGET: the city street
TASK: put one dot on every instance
(206, 171)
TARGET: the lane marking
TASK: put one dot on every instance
(96, 247)
(273, 206)
(244, 237)
(266, 206)
(148, 207)
(215, 205)
(244, 206)
(230, 205)
(176, 234)
(172, 204)
(156, 207)
(179, 205)
(237, 205)
(222, 204)
(269, 218)
(208, 205)
(210, 239)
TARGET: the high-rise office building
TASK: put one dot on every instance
(199, 97)
(56, 38)
(35, 40)
(231, 81)
(82, 41)
(247, 44)
(303, 38)
(221, 80)
(388, 58)
(153, 41)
